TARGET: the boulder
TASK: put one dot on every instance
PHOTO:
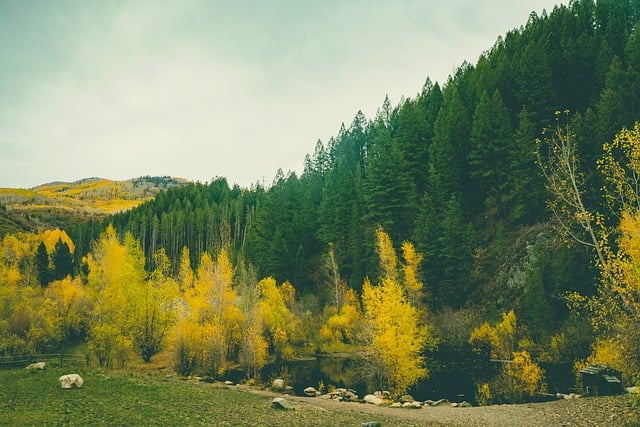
(310, 392)
(373, 400)
(439, 402)
(465, 404)
(277, 384)
(396, 405)
(406, 398)
(281, 403)
(229, 383)
(38, 365)
(71, 381)
(350, 396)
(412, 405)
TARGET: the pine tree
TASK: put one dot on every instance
(42, 265)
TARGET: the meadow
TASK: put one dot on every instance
(136, 399)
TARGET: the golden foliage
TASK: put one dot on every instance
(500, 340)
(393, 336)
(51, 237)
(411, 276)
(523, 378)
(387, 255)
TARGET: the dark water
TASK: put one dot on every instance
(448, 381)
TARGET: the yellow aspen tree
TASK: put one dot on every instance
(152, 308)
(410, 271)
(281, 326)
(185, 272)
(392, 334)
(72, 307)
(340, 328)
(51, 237)
(387, 255)
(116, 273)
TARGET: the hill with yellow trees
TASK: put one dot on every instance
(60, 204)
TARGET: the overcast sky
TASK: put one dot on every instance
(206, 88)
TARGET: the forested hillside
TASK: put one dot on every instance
(62, 204)
(465, 171)
(452, 170)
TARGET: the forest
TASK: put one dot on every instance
(495, 216)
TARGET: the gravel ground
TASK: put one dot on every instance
(593, 411)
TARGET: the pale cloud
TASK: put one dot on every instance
(200, 89)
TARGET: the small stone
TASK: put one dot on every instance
(38, 365)
(373, 400)
(310, 392)
(229, 383)
(281, 403)
(439, 402)
(464, 404)
(277, 384)
(412, 405)
(396, 405)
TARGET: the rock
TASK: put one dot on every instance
(465, 404)
(71, 380)
(383, 394)
(396, 405)
(350, 396)
(634, 390)
(406, 398)
(310, 392)
(38, 365)
(373, 400)
(371, 424)
(412, 405)
(281, 403)
(277, 384)
(229, 383)
(439, 402)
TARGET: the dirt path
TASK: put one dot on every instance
(595, 411)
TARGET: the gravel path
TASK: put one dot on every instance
(594, 411)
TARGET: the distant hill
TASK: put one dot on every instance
(60, 204)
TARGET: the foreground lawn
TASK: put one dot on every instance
(120, 398)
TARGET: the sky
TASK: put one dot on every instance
(200, 89)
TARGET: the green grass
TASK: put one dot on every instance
(120, 398)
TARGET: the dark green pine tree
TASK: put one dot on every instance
(489, 154)
(389, 186)
(62, 261)
(525, 191)
(413, 132)
(455, 257)
(449, 150)
(42, 265)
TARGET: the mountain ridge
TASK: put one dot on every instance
(58, 204)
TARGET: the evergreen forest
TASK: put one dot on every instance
(445, 214)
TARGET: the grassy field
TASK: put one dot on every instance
(120, 398)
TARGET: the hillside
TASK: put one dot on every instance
(61, 204)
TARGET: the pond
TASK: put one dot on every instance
(453, 379)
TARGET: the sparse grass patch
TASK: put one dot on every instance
(125, 398)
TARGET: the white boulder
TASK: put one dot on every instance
(71, 380)
(38, 365)
(373, 400)
(277, 384)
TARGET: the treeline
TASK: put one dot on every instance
(452, 170)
